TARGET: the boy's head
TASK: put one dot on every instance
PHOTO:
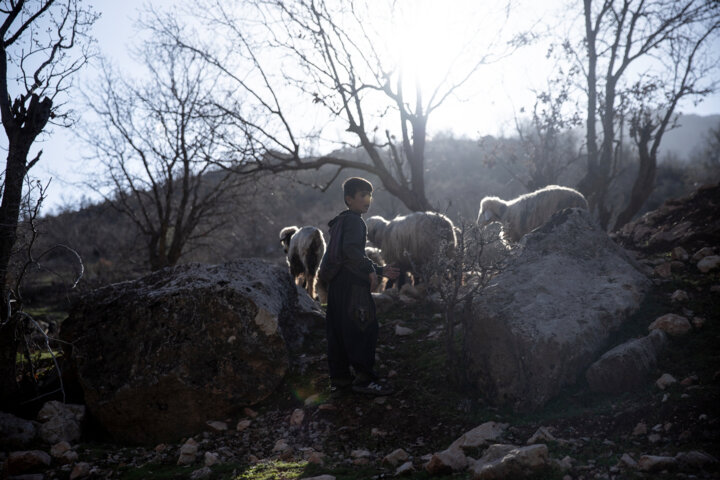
(358, 194)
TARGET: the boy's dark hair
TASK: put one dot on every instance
(355, 184)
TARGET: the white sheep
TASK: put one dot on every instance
(527, 212)
(411, 240)
(305, 248)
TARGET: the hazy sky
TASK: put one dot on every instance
(485, 109)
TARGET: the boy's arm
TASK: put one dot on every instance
(353, 246)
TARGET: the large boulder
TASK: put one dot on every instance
(159, 356)
(628, 365)
(549, 314)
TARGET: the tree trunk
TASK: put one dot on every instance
(9, 212)
(644, 182)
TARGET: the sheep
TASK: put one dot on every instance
(410, 241)
(305, 248)
(527, 212)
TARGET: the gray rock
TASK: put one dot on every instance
(396, 457)
(550, 314)
(480, 435)
(702, 253)
(709, 263)
(159, 355)
(671, 324)
(509, 461)
(696, 459)
(27, 461)
(15, 433)
(204, 472)
(627, 366)
(450, 460)
(656, 463)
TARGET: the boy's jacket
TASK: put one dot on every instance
(346, 248)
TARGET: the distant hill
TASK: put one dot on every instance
(689, 135)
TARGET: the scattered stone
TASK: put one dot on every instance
(59, 449)
(565, 464)
(680, 296)
(204, 472)
(698, 322)
(327, 407)
(211, 458)
(541, 435)
(411, 291)
(407, 300)
(15, 433)
(708, 264)
(217, 426)
(27, 461)
(60, 422)
(401, 331)
(361, 461)
(321, 477)
(450, 460)
(404, 469)
(360, 453)
(696, 459)
(480, 435)
(509, 461)
(679, 253)
(671, 324)
(665, 381)
(656, 463)
(702, 253)
(297, 417)
(376, 432)
(691, 380)
(627, 461)
(396, 457)
(161, 447)
(250, 412)
(243, 425)
(313, 400)
(281, 446)
(654, 438)
(80, 470)
(664, 270)
(383, 302)
(188, 452)
(640, 429)
(715, 289)
(316, 458)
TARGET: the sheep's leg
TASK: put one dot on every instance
(310, 286)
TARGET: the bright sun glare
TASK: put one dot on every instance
(434, 43)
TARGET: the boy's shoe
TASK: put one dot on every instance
(373, 388)
(340, 384)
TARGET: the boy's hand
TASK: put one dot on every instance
(391, 272)
(373, 281)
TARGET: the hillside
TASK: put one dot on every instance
(654, 431)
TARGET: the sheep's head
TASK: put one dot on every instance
(285, 235)
(492, 210)
(375, 227)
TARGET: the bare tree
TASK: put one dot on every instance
(289, 56)
(44, 42)
(546, 146)
(458, 276)
(658, 47)
(159, 141)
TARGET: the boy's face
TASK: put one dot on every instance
(360, 202)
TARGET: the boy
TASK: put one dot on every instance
(352, 328)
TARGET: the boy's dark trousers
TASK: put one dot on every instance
(352, 328)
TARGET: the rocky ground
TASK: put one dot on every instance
(667, 427)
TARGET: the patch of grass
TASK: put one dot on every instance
(274, 470)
